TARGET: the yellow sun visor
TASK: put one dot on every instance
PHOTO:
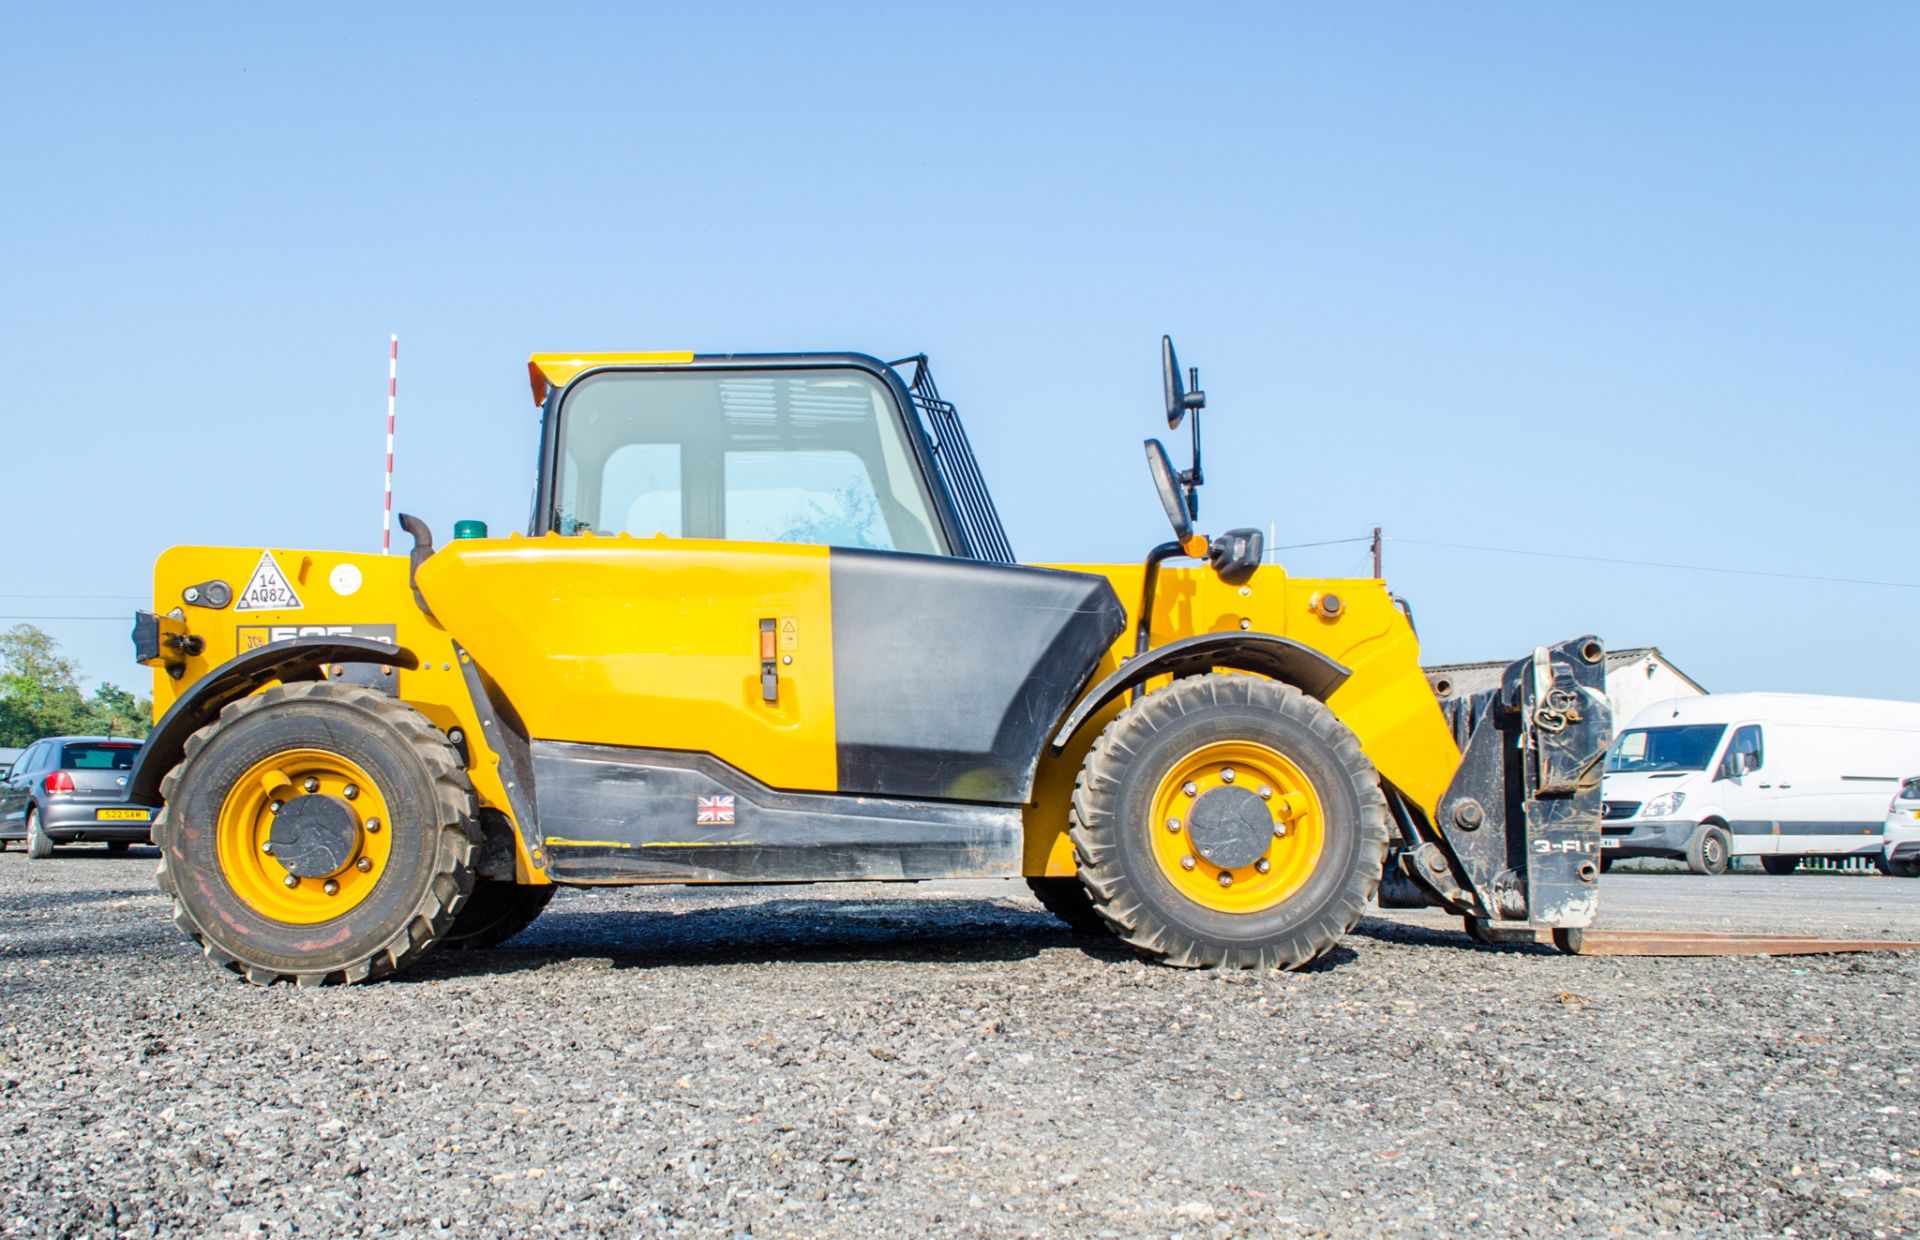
(547, 371)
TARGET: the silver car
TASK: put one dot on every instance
(67, 789)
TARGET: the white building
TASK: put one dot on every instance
(1636, 678)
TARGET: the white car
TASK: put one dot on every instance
(1903, 831)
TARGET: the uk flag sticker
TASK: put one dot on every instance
(713, 811)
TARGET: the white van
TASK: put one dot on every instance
(1779, 776)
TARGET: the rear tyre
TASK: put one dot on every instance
(1907, 867)
(1067, 899)
(1709, 850)
(1229, 821)
(316, 832)
(39, 843)
(495, 912)
(1779, 866)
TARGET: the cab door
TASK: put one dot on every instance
(680, 597)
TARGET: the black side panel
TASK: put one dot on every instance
(948, 674)
(612, 815)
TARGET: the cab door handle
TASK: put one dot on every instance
(769, 663)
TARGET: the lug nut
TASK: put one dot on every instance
(310, 784)
(292, 880)
(330, 887)
(1226, 879)
(1190, 788)
(273, 807)
(1266, 793)
(350, 791)
(267, 848)
(1279, 829)
(1226, 775)
(1263, 865)
(373, 826)
(1186, 862)
(1173, 825)
(364, 864)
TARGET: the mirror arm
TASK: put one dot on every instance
(1194, 477)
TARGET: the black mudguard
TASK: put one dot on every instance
(1278, 658)
(298, 658)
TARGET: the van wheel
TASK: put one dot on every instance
(1905, 867)
(1708, 851)
(1780, 866)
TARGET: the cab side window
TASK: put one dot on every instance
(1746, 740)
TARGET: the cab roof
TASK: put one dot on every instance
(546, 371)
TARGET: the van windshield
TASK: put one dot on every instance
(1686, 747)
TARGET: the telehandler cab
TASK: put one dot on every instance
(765, 626)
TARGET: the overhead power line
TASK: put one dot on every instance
(1686, 568)
(1331, 542)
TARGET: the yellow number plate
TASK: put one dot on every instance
(120, 815)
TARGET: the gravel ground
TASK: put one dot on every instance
(881, 1060)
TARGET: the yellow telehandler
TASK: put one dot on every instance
(765, 626)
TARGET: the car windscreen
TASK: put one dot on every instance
(97, 757)
(1683, 747)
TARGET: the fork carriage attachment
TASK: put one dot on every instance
(1517, 835)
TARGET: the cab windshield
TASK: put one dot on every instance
(1684, 747)
(799, 456)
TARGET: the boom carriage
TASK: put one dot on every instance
(765, 627)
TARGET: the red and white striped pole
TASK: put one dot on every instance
(393, 389)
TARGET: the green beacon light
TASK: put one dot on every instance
(469, 529)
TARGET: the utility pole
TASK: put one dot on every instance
(1376, 554)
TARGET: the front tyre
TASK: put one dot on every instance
(1229, 821)
(316, 832)
(1709, 851)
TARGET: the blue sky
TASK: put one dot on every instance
(1636, 281)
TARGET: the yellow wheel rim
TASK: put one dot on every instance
(1294, 844)
(245, 831)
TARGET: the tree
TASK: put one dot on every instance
(40, 694)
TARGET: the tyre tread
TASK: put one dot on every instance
(454, 853)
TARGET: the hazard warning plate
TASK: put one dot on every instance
(268, 589)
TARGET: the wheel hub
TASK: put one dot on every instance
(1231, 827)
(314, 836)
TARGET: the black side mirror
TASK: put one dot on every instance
(1169, 488)
(1179, 399)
